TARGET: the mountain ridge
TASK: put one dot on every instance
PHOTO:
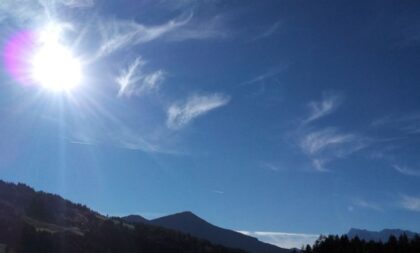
(190, 223)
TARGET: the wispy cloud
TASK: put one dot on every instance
(325, 145)
(410, 203)
(319, 163)
(133, 80)
(115, 34)
(284, 240)
(99, 125)
(181, 114)
(316, 142)
(326, 106)
(118, 34)
(78, 3)
(406, 171)
(119, 136)
(212, 28)
(128, 140)
(367, 205)
(268, 75)
(408, 123)
(269, 166)
(218, 192)
(272, 29)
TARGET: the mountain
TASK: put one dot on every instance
(190, 223)
(382, 235)
(38, 222)
(136, 219)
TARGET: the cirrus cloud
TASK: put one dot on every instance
(410, 203)
(325, 145)
(181, 114)
(319, 109)
(134, 80)
(407, 171)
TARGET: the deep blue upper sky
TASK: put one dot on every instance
(289, 116)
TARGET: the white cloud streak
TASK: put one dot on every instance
(316, 142)
(407, 123)
(116, 134)
(406, 171)
(127, 139)
(181, 114)
(269, 166)
(272, 29)
(115, 34)
(410, 203)
(78, 3)
(323, 146)
(268, 75)
(322, 108)
(284, 240)
(199, 30)
(118, 34)
(367, 205)
(218, 192)
(133, 80)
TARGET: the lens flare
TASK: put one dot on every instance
(41, 58)
(54, 67)
(16, 53)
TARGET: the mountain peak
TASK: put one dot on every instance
(182, 219)
(192, 224)
(187, 214)
(135, 219)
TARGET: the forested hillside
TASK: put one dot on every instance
(32, 221)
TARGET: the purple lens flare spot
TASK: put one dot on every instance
(17, 56)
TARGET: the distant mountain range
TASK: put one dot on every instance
(189, 223)
(382, 235)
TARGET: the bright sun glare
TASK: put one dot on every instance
(53, 65)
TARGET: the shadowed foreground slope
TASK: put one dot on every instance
(35, 222)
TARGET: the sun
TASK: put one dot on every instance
(53, 65)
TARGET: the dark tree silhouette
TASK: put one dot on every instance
(335, 244)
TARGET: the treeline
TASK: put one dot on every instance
(342, 244)
(23, 200)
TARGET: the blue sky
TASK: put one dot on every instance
(276, 118)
